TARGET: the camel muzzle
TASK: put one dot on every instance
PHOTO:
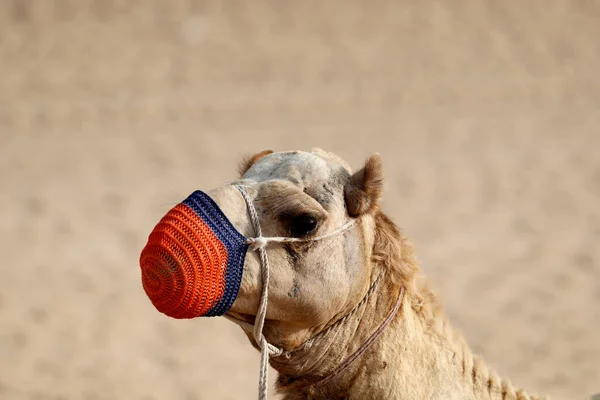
(193, 262)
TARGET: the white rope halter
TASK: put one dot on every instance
(259, 243)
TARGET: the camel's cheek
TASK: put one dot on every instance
(320, 287)
(354, 255)
(331, 279)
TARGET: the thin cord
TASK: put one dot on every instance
(309, 343)
(262, 241)
(259, 243)
(266, 349)
(364, 347)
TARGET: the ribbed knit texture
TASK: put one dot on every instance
(193, 262)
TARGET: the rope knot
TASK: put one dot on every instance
(258, 243)
(275, 351)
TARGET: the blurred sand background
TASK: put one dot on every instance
(487, 114)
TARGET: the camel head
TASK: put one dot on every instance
(312, 283)
(295, 251)
(303, 195)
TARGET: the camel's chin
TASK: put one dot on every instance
(246, 322)
(240, 318)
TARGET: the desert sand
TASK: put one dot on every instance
(487, 115)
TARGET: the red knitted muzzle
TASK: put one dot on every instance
(192, 264)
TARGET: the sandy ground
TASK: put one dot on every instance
(487, 115)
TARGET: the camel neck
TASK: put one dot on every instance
(338, 354)
(418, 356)
(363, 348)
(415, 357)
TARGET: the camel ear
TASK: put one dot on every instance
(248, 162)
(365, 187)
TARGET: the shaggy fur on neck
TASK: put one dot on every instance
(393, 252)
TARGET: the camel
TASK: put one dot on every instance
(352, 314)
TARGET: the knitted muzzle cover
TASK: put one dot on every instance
(193, 262)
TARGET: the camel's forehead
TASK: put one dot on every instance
(298, 167)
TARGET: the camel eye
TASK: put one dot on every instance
(302, 225)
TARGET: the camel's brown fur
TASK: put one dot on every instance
(314, 285)
(393, 253)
